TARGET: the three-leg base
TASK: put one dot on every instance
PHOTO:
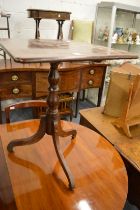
(56, 132)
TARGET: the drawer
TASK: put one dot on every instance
(41, 84)
(58, 15)
(69, 81)
(12, 77)
(49, 14)
(15, 91)
(92, 77)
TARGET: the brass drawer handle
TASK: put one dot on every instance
(14, 77)
(15, 90)
(90, 82)
(92, 71)
(59, 15)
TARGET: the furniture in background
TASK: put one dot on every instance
(39, 14)
(82, 31)
(117, 26)
(121, 78)
(30, 80)
(128, 148)
(39, 105)
(31, 178)
(123, 96)
(59, 51)
(6, 28)
(120, 20)
(122, 109)
(131, 112)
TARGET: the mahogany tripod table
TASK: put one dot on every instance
(55, 52)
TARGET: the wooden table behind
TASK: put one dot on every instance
(127, 147)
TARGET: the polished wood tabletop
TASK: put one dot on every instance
(33, 50)
(34, 179)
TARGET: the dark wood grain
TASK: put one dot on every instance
(48, 14)
(29, 51)
(39, 182)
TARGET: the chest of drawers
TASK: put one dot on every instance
(92, 77)
(21, 81)
(15, 85)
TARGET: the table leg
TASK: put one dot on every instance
(37, 33)
(30, 140)
(53, 120)
(60, 32)
(77, 104)
(8, 28)
(100, 93)
(50, 124)
(61, 158)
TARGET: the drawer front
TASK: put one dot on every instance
(92, 77)
(57, 15)
(69, 81)
(49, 14)
(14, 77)
(41, 84)
(15, 91)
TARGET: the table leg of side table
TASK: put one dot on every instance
(60, 32)
(50, 124)
(37, 32)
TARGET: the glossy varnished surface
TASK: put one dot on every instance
(102, 123)
(26, 51)
(39, 182)
(7, 201)
(129, 148)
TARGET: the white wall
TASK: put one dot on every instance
(21, 26)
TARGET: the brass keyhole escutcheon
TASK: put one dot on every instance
(14, 77)
(90, 82)
(92, 71)
(15, 90)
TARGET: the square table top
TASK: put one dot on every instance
(43, 50)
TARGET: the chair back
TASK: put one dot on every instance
(39, 105)
(81, 30)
